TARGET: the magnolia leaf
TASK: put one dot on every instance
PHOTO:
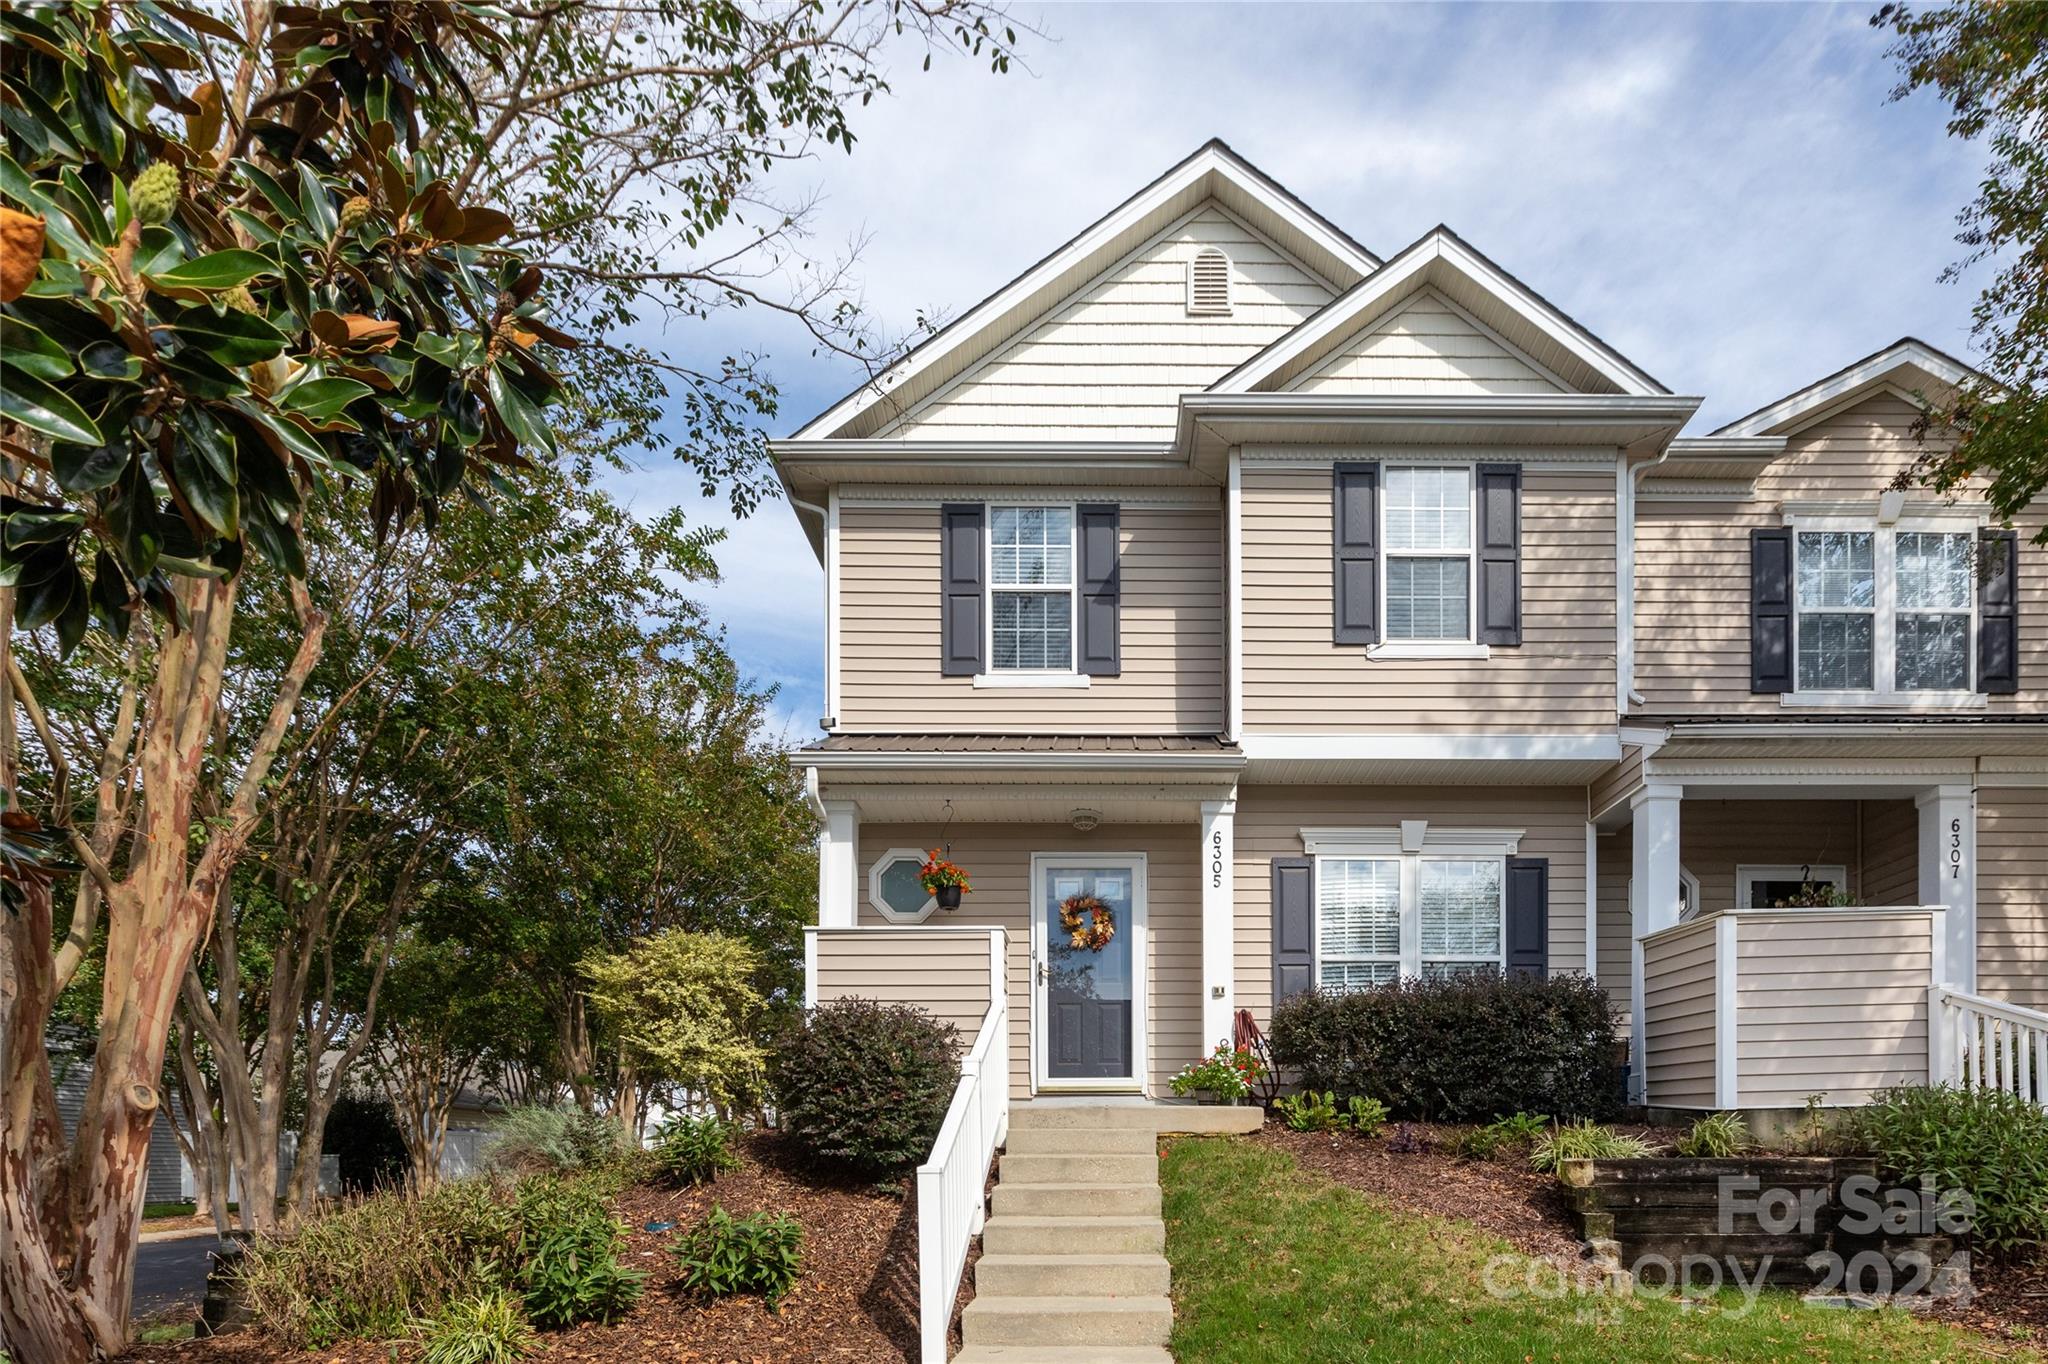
(202, 130)
(41, 407)
(217, 271)
(32, 352)
(322, 399)
(520, 415)
(86, 468)
(210, 497)
(351, 330)
(481, 225)
(232, 336)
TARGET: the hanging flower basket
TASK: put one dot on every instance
(1089, 923)
(943, 881)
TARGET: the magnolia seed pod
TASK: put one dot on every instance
(153, 194)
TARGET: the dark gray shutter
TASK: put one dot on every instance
(1294, 926)
(961, 599)
(1500, 554)
(1354, 538)
(1998, 613)
(1096, 533)
(1770, 611)
(1528, 943)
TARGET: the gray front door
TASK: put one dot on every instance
(1090, 989)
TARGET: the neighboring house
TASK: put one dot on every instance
(71, 1067)
(1333, 618)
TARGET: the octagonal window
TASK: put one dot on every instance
(894, 888)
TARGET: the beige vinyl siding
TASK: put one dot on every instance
(1560, 679)
(1692, 566)
(1678, 1010)
(1615, 858)
(1171, 619)
(1269, 824)
(1426, 346)
(942, 971)
(1617, 783)
(1831, 1003)
(998, 862)
(2012, 895)
(1717, 836)
(1111, 361)
(1891, 852)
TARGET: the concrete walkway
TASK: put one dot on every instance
(1072, 1268)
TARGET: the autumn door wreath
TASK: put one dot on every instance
(1089, 923)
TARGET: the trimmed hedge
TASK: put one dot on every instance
(865, 1085)
(1469, 1049)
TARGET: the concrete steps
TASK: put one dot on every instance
(1071, 1269)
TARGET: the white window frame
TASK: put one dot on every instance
(1068, 676)
(1747, 875)
(1412, 844)
(1885, 614)
(1450, 646)
(883, 907)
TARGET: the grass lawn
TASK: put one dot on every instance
(1275, 1265)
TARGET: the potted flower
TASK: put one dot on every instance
(1226, 1076)
(943, 881)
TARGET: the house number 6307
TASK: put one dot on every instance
(1216, 859)
(1955, 850)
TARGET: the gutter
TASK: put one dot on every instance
(1832, 728)
(816, 761)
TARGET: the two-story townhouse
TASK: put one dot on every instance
(1311, 619)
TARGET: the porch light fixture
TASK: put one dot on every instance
(1085, 821)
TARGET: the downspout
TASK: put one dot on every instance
(828, 526)
(1626, 480)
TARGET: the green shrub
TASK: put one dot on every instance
(1516, 1133)
(1987, 1143)
(1364, 1116)
(489, 1328)
(1465, 1049)
(759, 1253)
(865, 1085)
(567, 1256)
(694, 1150)
(1309, 1111)
(1583, 1140)
(537, 1139)
(1716, 1136)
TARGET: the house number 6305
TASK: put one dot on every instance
(1955, 850)
(1216, 859)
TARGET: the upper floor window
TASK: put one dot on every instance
(1883, 610)
(1031, 589)
(1428, 539)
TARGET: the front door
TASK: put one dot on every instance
(1089, 939)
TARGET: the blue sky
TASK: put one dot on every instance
(1721, 192)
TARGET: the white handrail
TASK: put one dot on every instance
(1989, 1042)
(951, 1185)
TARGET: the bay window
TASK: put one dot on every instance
(1884, 612)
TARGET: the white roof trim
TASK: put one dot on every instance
(1401, 276)
(1798, 410)
(1212, 159)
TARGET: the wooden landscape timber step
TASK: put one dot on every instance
(1072, 1269)
(1647, 1216)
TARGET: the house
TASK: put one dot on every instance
(1305, 618)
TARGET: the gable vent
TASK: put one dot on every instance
(1209, 282)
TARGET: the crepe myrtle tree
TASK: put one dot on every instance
(233, 277)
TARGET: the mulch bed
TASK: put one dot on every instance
(855, 1303)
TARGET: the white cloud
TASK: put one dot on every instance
(1723, 193)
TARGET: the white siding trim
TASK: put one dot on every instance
(1726, 962)
(832, 660)
(1825, 394)
(1604, 747)
(1592, 901)
(1219, 920)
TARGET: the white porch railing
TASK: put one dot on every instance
(951, 1185)
(1983, 1041)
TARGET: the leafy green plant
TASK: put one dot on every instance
(695, 1150)
(567, 1257)
(1465, 1049)
(759, 1253)
(1516, 1133)
(1716, 1136)
(1310, 1111)
(1228, 1073)
(1364, 1116)
(1584, 1140)
(538, 1139)
(864, 1084)
(1987, 1143)
(487, 1328)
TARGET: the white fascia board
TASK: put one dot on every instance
(1210, 160)
(1020, 762)
(1431, 748)
(1780, 417)
(1399, 275)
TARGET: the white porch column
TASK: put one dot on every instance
(1948, 874)
(1219, 920)
(1652, 900)
(839, 865)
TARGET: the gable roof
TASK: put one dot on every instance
(1213, 171)
(1443, 260)
(1905, 364)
